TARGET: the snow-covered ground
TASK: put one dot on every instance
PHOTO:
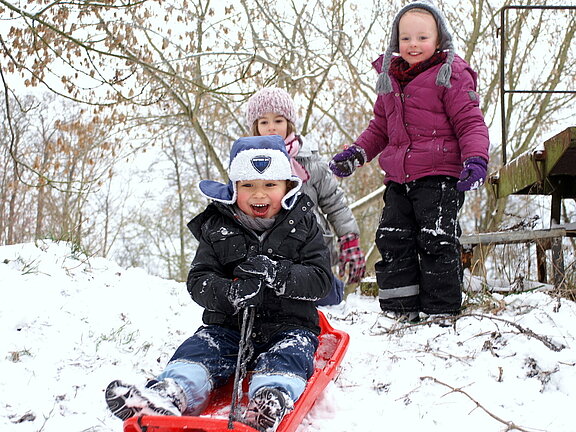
(69, 325)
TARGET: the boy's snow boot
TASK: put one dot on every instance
(171, 390)
(267, 409)
(163, 398)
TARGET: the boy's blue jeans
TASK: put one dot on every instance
(207, 360)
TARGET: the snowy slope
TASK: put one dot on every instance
(69, 325)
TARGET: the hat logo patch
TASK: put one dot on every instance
(261, 163)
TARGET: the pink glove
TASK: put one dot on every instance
(351, 255)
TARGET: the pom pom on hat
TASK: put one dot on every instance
(254, 158)
(270, 100)
(384, 85)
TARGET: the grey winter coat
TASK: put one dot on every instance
(295, 242)
(332, 212)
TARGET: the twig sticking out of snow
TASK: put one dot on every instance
(509, 424)
(544, 339)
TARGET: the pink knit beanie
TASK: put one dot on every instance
(270, 100)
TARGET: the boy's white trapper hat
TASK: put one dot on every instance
(270, 100)
(254, 158)
(384, 84)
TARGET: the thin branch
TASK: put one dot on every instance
(509, 424)
(521, 330)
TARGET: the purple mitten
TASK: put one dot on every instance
(343, 164)
(351, 256)
(473, 175)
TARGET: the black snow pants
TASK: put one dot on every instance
(421, 268)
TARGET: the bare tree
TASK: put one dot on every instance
(182, 72)
(57, 156)
(195, 66)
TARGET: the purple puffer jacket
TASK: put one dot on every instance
(427, 129)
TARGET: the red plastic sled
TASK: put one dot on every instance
(329, 355)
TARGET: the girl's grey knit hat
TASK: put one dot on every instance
(384, 84)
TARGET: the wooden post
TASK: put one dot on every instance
(557, 262)
(541, 262)
(555, 208)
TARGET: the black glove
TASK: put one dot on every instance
(245, 292)
(272, 273)
(257, 266)
(282, 272)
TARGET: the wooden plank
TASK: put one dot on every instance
(544, 239)
(526, 174)
(505, 237)
(519, 174)
(560, 153)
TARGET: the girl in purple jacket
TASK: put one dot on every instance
(432, 142)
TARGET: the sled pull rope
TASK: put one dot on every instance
(245, 351)
(143, 428)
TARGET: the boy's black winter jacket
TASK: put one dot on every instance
(295, 240)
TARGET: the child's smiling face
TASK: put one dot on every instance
(261, 198)
(417, 36)
(272, 124)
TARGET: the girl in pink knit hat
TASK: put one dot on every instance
(270, 111)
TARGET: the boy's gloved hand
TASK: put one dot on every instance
(272, 273)
(343, 164)
(473, 175)
(257, 266)
(245, 292)
(352, 256)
